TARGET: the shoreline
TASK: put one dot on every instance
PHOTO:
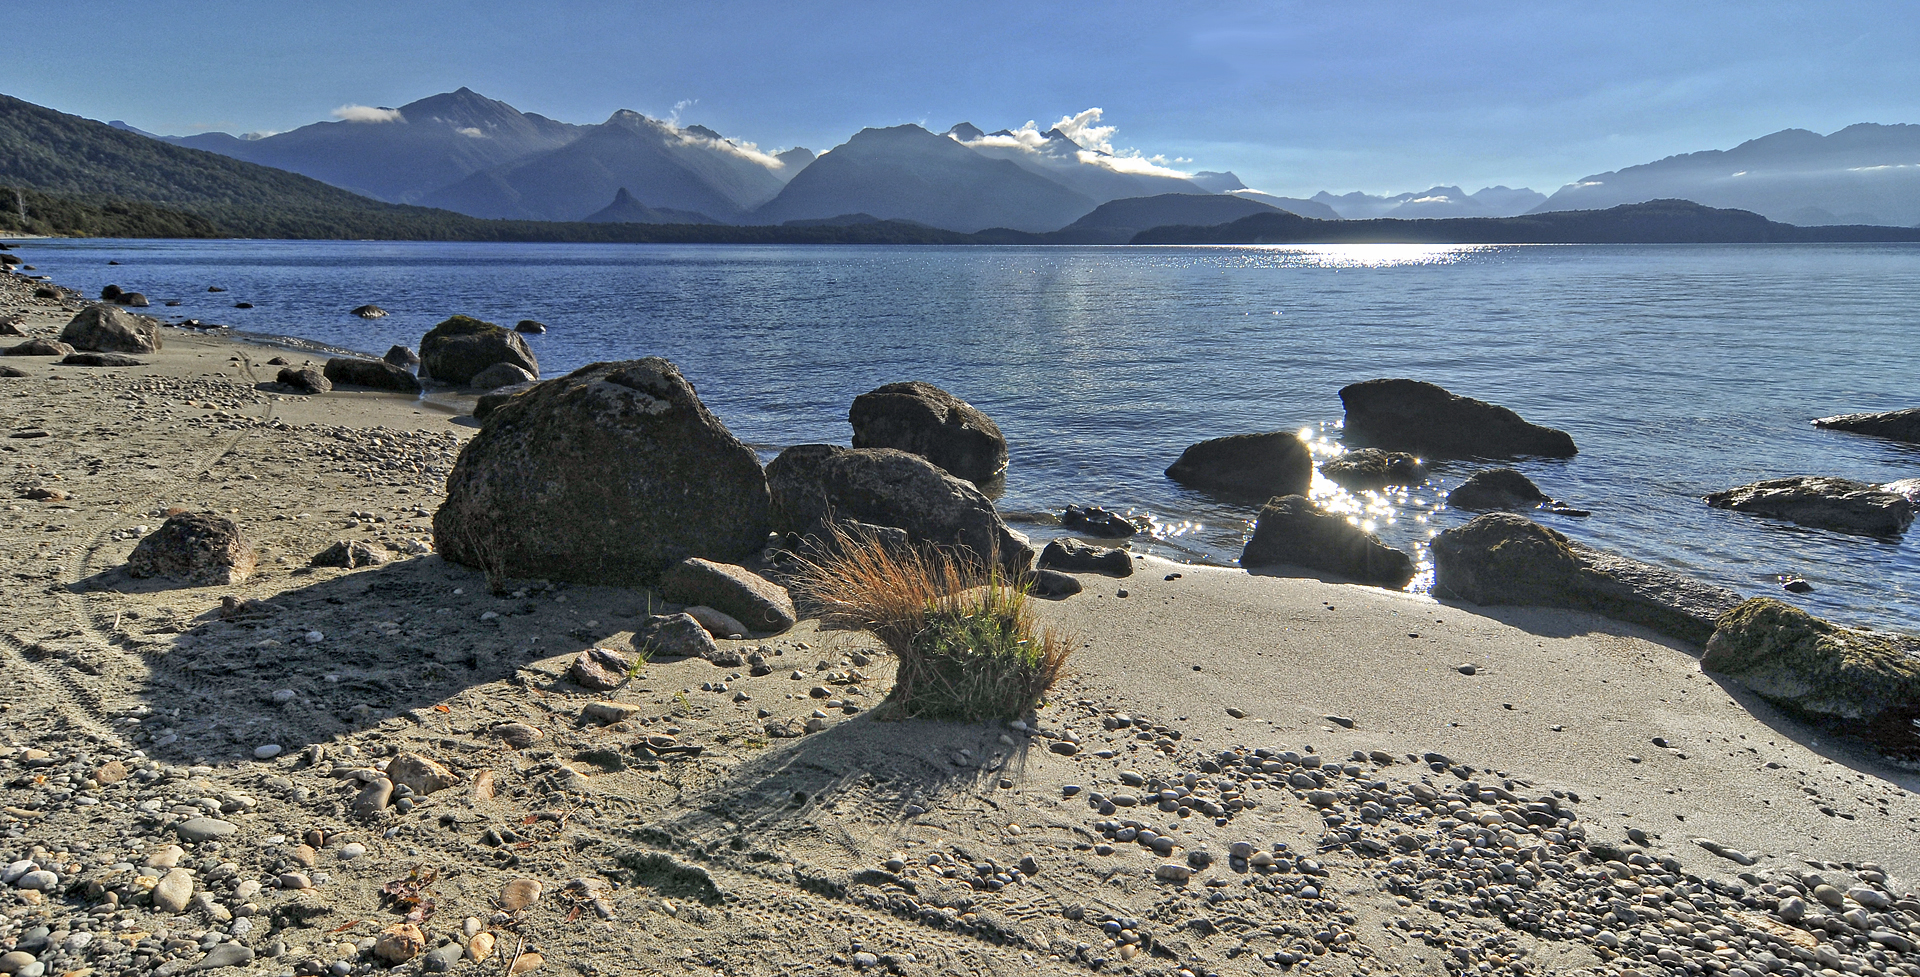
(797, 837)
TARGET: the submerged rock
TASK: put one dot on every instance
(1502, 558)
(370, 312)
(1839, 504)
(1497, 488)
(378, 374)
(455, 351)
(609, 475)
(195, 548)
(922, 419)
(1411, 415)
(1095, 521)
(1264, 465)
(105, 329)
(1899, 425)
(736, 591)
(1292, 530)
(1077, 557)
(532, 326)
(1821, 669)
(1371, 468)
(813, 484)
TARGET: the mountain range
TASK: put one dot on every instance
(1435, 202)
(1863, 174)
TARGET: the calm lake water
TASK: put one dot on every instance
(1679, 370)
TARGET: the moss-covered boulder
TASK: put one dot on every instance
(456, 350)
(1812, 666)
(608, 475)
(1502, 558)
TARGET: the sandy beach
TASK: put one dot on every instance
(1537, 812)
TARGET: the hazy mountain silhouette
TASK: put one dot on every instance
(664, 165)
(429, 144)
(1117, 221)
(1862, 171)
(626, 210)
(1434, 202)
(1292, 205)
(1102, 176)
(908, 173)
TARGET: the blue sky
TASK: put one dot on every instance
(1293, 96)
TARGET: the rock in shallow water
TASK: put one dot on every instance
(922, 419)
(1261, 465)
(1292, 530)
(457, 350)
(1371, 468)
(1839, 504)
(1074, 556)
(1412, 415)
(1898, 425)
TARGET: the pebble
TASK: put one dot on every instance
(195, 830)
(173, 891)
(294, 880)
(266, 751)
(226, 955)
(1173, 872)
(519, 894)
(1467, 668)
(351, 851)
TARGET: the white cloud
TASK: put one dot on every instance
(471, 132)
(367, 113)
(744, 150)
(1135, 164)
(1435, 199)
(1085, 130)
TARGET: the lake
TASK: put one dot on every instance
(1679, 370)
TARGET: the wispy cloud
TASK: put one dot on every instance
(1086, 130)
(1095, 142)
(471, 132)
(367, 113)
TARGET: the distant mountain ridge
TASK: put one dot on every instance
(1866, 173)
(1434, 202)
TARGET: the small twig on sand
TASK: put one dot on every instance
(518, 943)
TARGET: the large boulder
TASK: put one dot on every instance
(814, 485)
(608, 475)
(925, 420)
(106, 329)
(1292, 530)
(739, 593)
(483, 405)
(378, 374)
(1363, 469)
(1263, 465)
(1411, 415)
(195, 548)
(304, 379)
(456, 350)
(1505, 559)
(1822, 670)
(1899, 425)
(39, 347)
(401, 357)
(1839, 504)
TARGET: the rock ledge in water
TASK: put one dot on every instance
(1899, 425)
(1412, 415)
(1839, 504)
(1292, 530)
(1265, 465)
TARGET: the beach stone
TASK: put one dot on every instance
(226, 955)
(351, 555)
(1898, 425)
(12, 371)
(1053, 583)
(1074, 556)
(1292, 530)
(38, 880)
(441, 959)
(173, 891)
(518, 735)
(599, 669)
(1258, 465)
(925, 420)
(133, 300)
(1506, 559)
(377, 374)
(1427, 419)
(106, 329)
(812, 483)
(519, 894)
(370, 312)
(399, 943)
(500, 375)
(457, 350)
(718, 625)
(13, 961)
(306, 380)
(10, 325)
(1821, 669)
(1839, 504)
(373, 798)
(167, 856)
(676, 636)
(610, 712)
(532, 326)
(101, 359)
(110, 772)
(740, 593)
(608, 476)
(1497, 488)
(419, 774)
(1173, 872)
(1371, 468)
(39, 347)
(195, 548)
(1095, 521)
(487, 403)
(401, 357)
